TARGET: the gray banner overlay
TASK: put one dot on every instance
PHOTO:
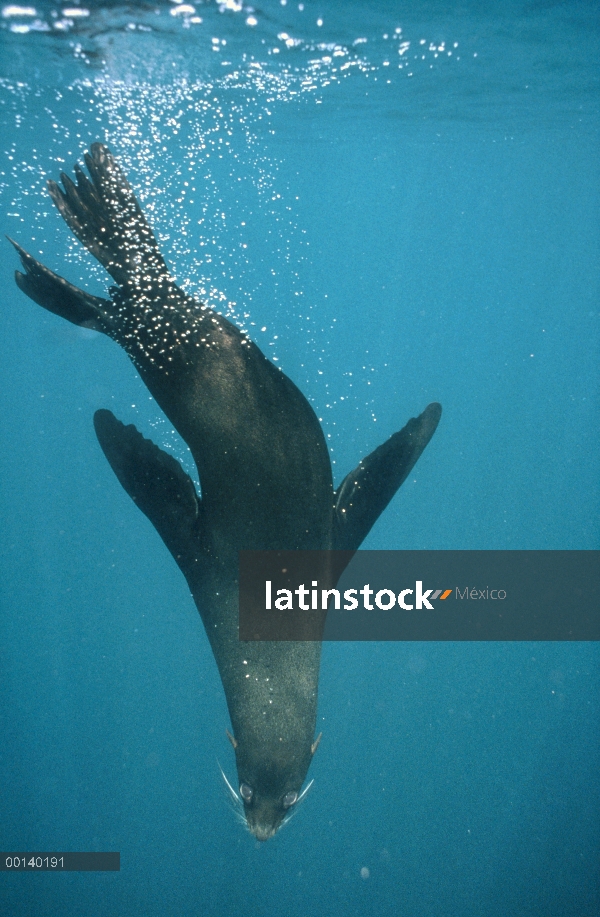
(420, 595)
(60, 862)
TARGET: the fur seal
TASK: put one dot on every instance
(262, 460)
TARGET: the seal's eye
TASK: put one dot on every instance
(246, 792)
(289, 799)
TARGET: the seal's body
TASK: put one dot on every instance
(262, 461)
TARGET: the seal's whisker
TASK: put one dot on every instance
(234, 796)
(303, 793)
(288, 817)
(240, 818)
(234, 801)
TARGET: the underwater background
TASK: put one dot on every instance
(400, 203)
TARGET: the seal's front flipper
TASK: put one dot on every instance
(155, 481)
(59, 296)
(365, 492)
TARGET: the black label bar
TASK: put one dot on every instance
(419, 595)
(20, 861)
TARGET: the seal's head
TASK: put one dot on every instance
(267, 808)
(269, 791)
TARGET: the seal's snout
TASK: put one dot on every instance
(263, 821)
(262, 832)
(265, 815)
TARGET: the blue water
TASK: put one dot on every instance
(406, 199)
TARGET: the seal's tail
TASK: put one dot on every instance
(105, 216)
(59, 296)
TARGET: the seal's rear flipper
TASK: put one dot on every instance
(105, 215)
(155, 481)
(61, 297)
(365, 492)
